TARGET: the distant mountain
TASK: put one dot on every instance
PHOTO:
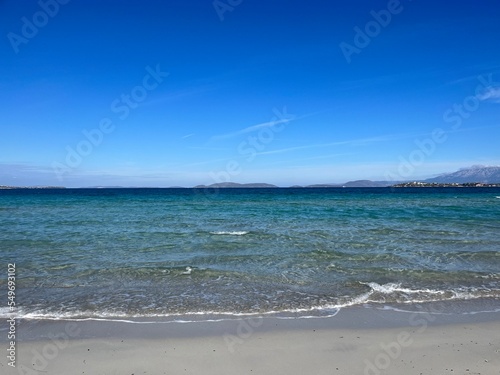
(236, 185)
(476, 173)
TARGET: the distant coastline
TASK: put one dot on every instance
(443, 185)
(6, 187)
(413, 184)
(474, 176)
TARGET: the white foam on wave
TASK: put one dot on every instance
(434, 312)
(5, 311)
(231, 233)
(427, 295)
(490, 276)
(196, 316)
(318, 311)
(390, 288)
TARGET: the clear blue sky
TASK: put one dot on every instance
(288, 92)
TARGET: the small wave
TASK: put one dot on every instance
(186, 317)
(231, 233)
(388, 294)
(393, 287)
(5, 312)
(393, 292)
(435, 312)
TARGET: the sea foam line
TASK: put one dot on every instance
(327, 310)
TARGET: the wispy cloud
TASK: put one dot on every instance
(491, 94)
(27, 174)
(205, 162)
(249, 129)
(187, 136)
(282, 117)
(23, 167)
(352, 142)
(329, 156)
(179, 94)
(208, 148)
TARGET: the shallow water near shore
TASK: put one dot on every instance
(157, 253)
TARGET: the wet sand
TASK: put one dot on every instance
(356, 341)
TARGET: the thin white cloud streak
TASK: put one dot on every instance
(485, 68)
(366, 141)
(23, 167)
(178, 95)
(253, 128)
(491, 94)
(187, 136)
(462, 130)
(249, 129)
(206, 162)
(329, 156)
(353, 142)
(208, 148)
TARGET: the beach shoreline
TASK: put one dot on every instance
(357, 340)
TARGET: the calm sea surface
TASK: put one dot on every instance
(167, 252)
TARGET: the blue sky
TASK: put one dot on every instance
(180, 92)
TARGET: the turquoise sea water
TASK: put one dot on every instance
(167, 252)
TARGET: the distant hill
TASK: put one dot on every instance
(357, 183)
(236, 185)
(476, 173)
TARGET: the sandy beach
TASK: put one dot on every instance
(356, 341)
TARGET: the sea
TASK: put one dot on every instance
(184, 254)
